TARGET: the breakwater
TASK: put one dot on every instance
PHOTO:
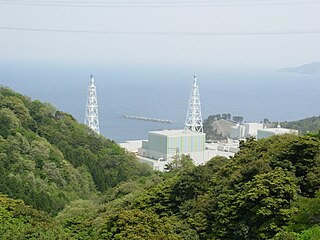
(147, 119)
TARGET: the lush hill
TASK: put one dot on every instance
(19, 221)
(268, 190)
(48, 159)
(311, 124)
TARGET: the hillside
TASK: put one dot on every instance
(218, 126)
(311, 124)
(48, 159)
(90, 188)
(269, 190)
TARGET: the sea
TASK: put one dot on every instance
(162, 92)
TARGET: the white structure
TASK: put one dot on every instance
(92, 118)
(237, 132)
(132, 145)
(252, 129)
(211, 150)
(194, 117)
(166, 144)
(268, 132)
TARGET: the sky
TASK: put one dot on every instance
(171, 21)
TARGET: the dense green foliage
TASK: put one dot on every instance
(311, 124)
(48, 159)
(269, 190)
(19, 221)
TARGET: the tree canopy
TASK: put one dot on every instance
(48, 159)
(80, 185)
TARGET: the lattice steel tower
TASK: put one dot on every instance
(194, 117)
(92, 118)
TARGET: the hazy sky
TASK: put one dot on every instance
(273, 51)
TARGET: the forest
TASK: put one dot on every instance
(60, 180)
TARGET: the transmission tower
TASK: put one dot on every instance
(92, 118)
(194, 117)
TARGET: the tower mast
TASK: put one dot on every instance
(194, 117)
(92, 118)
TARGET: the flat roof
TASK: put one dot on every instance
(180, 132)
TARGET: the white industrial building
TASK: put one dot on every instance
(252, 129)
(166, 144)
(162, 146)
(238, 132)
(268, 132)
(211, 150)
(245, 130)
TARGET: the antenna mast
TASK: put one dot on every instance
(194, 117)
(92, 118)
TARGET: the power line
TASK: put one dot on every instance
(155, 4)
(145, 33)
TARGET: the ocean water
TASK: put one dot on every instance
(162, 92)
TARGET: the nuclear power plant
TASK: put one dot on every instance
(164, 145)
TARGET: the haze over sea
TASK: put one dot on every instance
(162, 92)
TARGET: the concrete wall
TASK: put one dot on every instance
(186, 144)
(157, 143)
(238, 132)
(265, 133)
(252, 129)
(166, 146)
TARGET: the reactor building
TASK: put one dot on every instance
(165, 144)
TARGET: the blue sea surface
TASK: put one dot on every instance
(163, 93)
